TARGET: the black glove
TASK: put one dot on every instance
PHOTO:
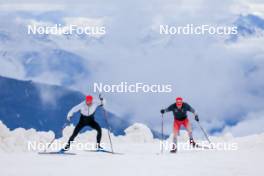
(162, 111)
(100, 97)
(196, 118)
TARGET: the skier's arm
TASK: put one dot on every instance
(74, 110)
(193, 111)
(170, 108)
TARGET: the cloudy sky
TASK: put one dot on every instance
(221, 78)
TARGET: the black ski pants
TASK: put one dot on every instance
(86, 121)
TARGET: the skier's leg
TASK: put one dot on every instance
(188, 127)
(96, 126)
(76, 130)
(176, 128)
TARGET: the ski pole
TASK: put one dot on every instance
(51, 142)
(204, 132)
(162, 133)
(107, 124)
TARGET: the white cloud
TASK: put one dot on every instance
(255, 7)
(84, 21)
(207, 72)
(252, 124)
(33, 7)
(11, 68)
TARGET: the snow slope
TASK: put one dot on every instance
(141, 156)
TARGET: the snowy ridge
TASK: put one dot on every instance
(17, 140)
(141, 155)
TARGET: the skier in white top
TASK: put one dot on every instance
(87, 110)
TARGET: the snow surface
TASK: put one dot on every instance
(141, 156)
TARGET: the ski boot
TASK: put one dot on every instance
(174, 149)
(62, 151)
(98, 147)
(65, 149)
(192, 143)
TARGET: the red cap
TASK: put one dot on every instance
(179, 99)
(89, 99)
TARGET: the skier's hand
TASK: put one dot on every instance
(102, 102)
(196, 118)
(162, 111)
(101, 98)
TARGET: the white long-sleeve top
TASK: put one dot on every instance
(84, 109)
